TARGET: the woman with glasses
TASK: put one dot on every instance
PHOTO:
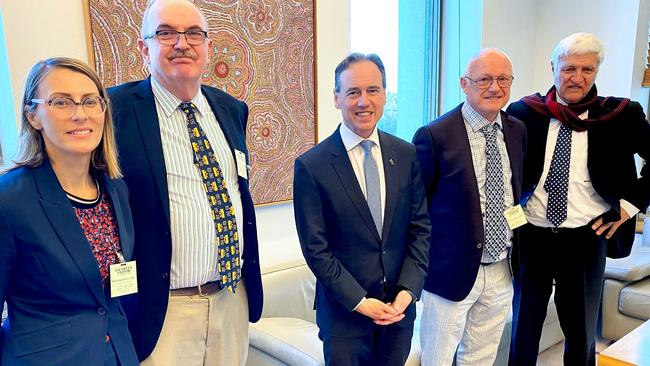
(65, 227)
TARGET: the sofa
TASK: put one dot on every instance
(287, 334)
(626, 290)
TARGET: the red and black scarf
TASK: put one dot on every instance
(568, 114)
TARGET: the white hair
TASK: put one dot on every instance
(578, 44)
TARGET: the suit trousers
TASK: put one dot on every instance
(470, 329)
(199, 330)
(575, 260)
(388, 345)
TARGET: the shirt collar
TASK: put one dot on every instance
(475, 120)
(351, 139)
(170, 103)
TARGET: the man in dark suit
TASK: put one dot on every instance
(471, 160)
(363, 227)
(183, 152)
(580, 190)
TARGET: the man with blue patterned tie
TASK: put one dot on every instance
(363, 226)
(582, 184)
(471, 159)
(183, 152)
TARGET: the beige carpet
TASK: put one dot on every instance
(553, 355)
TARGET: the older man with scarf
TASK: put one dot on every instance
(580, 189)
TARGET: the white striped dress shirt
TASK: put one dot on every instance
(194, 249)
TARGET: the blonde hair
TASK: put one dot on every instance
(31, 148)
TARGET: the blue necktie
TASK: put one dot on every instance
(223, 213)
(557, 181)
(373, 194)
(496, 229)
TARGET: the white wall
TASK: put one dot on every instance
(513, 32)
(38, 29)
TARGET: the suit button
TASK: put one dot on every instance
(165, 275)
(101, 311)
(383, 252)
(479, 245)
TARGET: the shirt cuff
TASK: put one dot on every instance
(629, 208)
(362, 300)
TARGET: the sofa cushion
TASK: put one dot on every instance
(635, 300)
(290, 340)
(632, 268)
(290, 293)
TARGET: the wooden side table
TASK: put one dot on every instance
(631, 350)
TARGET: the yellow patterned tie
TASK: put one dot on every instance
(223, 213)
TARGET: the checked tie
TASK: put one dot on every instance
(557, 181)
(223, 213)
(496, 229)
(373, 194)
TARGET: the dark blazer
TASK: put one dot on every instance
(610, 161)
(339, 239)
(457, 234)
(143, 165)
(58, 311)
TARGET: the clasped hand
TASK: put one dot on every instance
(386, 313)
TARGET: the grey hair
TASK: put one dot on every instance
(354, 58)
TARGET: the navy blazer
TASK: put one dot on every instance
(339, 239)
(610, 161)
(58, 311)
(457, 234)
(143, 165)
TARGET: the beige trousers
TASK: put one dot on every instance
(204, 330)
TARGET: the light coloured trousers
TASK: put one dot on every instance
(471, 328)
(204, 330)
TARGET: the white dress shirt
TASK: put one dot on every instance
(352, 141)
(194, 249)
(584, 203)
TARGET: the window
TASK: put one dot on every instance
(7, 114)
(405, 34)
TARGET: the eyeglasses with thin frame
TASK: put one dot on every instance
(485, 82)
(66, 107)
(193, 37)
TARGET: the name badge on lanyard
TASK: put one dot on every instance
(123, 278)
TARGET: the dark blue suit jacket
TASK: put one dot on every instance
(457, 234)
(58, 312)
(339, 239)
(143, 165)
